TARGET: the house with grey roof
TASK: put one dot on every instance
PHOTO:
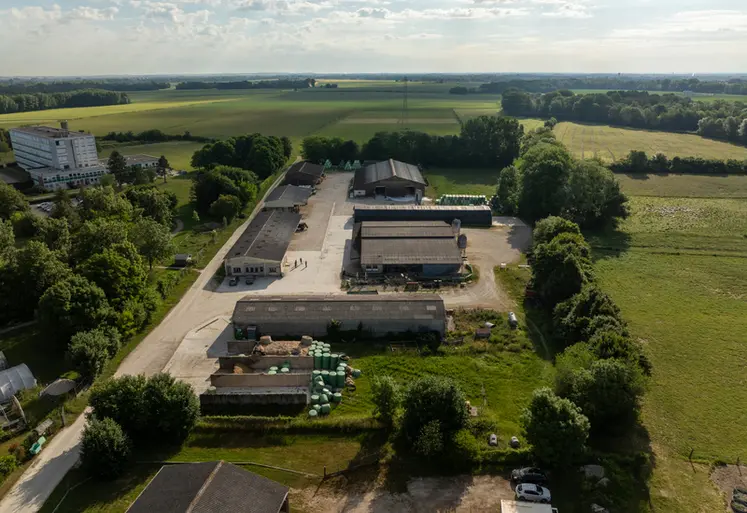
(210, 487)
(287, 197)
(389, 178)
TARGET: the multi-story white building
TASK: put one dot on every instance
(57, 157)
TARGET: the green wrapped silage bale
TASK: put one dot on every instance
(340, 368)
(274, 369)
(323, 399)
(272, 373)
(313, 413)
(284, 370)
(326, 391)
(343, 365)
(326, 408)
(357, 373)
(315, 374)
(326, 346)
(337, 397)
(314, 399)
(325, 376)
(334, 360)
(340, 379)
(317, 407)
(325, 361)
(286, 365)
(318, 360)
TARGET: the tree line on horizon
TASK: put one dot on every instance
(43, 101)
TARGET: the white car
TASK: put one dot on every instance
(533, 493)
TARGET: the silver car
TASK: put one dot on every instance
(533, 493)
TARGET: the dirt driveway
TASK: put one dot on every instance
(473, 494)
(487, 249)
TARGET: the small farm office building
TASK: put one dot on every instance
(478, 215)
(210, 487)
(288, 197)
(261, 248)
(428, 248)
(304, 174)
(295, 316)
(389, 178)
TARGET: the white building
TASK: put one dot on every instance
(57, 157)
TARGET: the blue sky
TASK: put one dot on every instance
(91, 37)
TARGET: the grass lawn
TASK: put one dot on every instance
(460, 181)
(27, 345)
(178, 153)
(694, 186)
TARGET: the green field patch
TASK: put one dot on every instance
(178, 153)
(695, 186)
(362, 132)
(690, 312)
(460, 181)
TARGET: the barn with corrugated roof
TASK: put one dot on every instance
(389, 178)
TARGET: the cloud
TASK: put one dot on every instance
(712, 24)
(282, 6)
(459, 13)
(568, 10)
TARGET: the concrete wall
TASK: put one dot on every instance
(265, 362)
(240, 346)
(260, 380)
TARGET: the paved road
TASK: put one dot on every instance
(198, 305)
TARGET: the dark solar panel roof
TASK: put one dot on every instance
(256, 309)
(306, 168)
(288, 194)
(410, 251)
(267, 237)
(399, 230)
(387, 169)
(211, 487)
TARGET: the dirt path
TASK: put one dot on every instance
(179, 226)
(471, 494)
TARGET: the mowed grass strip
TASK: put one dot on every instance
(178, 153)
(695, 186)
(460, 181)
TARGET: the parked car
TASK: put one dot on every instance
(529, 475)
(233, 282)
(533, 493)
(249, 280)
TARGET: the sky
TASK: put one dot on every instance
(114, 37)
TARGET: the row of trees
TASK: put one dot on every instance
(16, 87)
(152, 136)
(546, 85)
(84, 271)
(547, 180)
(121, 173)
(639, 162)
(223, 191)
(247, 84)
(600, 378)
(43, 101)
(5, 144)
(134, 412)
(484, 142)
(639, 109)
(263, 155)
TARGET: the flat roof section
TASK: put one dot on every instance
(410, 251)
(400, 230)
(288, 193)
(267, 237)
(50, 132)
(255, 309)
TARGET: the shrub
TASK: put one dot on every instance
(430, 440)
(432, 399)
(7, 465)
(387, 398)
(572, 317)
(556, 428)
(105, 449)
(122, 400)
(90, 350)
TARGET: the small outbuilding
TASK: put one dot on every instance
(304, 174)
(287, 197)
(261, 248)
(210, 487)
(182, 259)
(295, 316)
(389, 178)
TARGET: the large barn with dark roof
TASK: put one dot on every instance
(389, 178)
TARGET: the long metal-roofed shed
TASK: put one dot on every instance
(428, 248)
(389, 178)
(261, 248)
(288, 197)
(210, 487)
(304, 174)
(295, 316)
(477, 215)
(14, 380)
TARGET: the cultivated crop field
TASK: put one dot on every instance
(679, 277)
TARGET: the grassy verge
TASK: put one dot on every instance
(460, 181)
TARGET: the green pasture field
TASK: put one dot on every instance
(178, 153)
(460, 181)
(693, 186)
(613, 143)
